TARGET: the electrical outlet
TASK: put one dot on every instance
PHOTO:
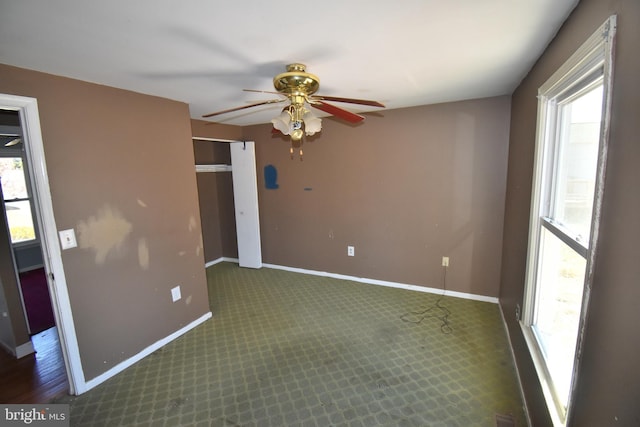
(351, 251)
(175, 293)
(445, 261)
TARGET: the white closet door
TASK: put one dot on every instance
(245, 194)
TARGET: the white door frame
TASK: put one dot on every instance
(52, 256)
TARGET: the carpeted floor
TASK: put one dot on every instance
(287, 349)
(37, 301)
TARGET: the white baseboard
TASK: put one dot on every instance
(25, 349)
(30, 268)
(20, 351)
(219, 260)
(438, 291)
(144, 353)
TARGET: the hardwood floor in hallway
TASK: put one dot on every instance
(36, 378)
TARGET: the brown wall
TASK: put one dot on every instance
(405, 187)
(215, 190)
(609, 378)
(121, 171)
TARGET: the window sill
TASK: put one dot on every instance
(26, 244)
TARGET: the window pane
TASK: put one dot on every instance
(557, 308)
(20, 221)
(12, 176)
(577, 162)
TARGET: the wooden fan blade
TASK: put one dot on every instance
(255, 104)
(338, 112)
(348, 100)
(263, 91)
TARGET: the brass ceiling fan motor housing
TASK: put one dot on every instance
(298, 87)
(296, 81)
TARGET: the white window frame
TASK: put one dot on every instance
(11, 153)
(596, 53)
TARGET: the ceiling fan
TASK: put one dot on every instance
(299, 88)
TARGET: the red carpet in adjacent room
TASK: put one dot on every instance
(37, 301)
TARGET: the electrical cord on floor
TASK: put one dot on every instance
(435, 311)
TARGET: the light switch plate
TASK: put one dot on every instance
(68, 239)
(175, 293)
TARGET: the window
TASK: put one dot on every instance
(17, 199)
(567, 190)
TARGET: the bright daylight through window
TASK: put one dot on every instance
(565, 235)
(569, 172)
(17, 200)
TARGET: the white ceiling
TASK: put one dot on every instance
(204, 52)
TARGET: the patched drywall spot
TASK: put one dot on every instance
(331, 236)
(198, 250)
(182, 253)
(188, 300)
(141, 203)
(104, 233)
(192, 223)
(143, 254)
(271, 177)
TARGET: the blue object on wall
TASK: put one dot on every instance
(271, 177)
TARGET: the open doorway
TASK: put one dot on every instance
(18, 209)
(27, 109)
(39, 376)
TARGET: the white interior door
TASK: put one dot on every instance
(245, 194)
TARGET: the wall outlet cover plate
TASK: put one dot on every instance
(175, 293)
(68, 239)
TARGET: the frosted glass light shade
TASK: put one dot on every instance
(312, 124)
(282, 122)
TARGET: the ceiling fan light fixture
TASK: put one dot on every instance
(283, 122)
(298, 88)
(296, 134)
(312, 124)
